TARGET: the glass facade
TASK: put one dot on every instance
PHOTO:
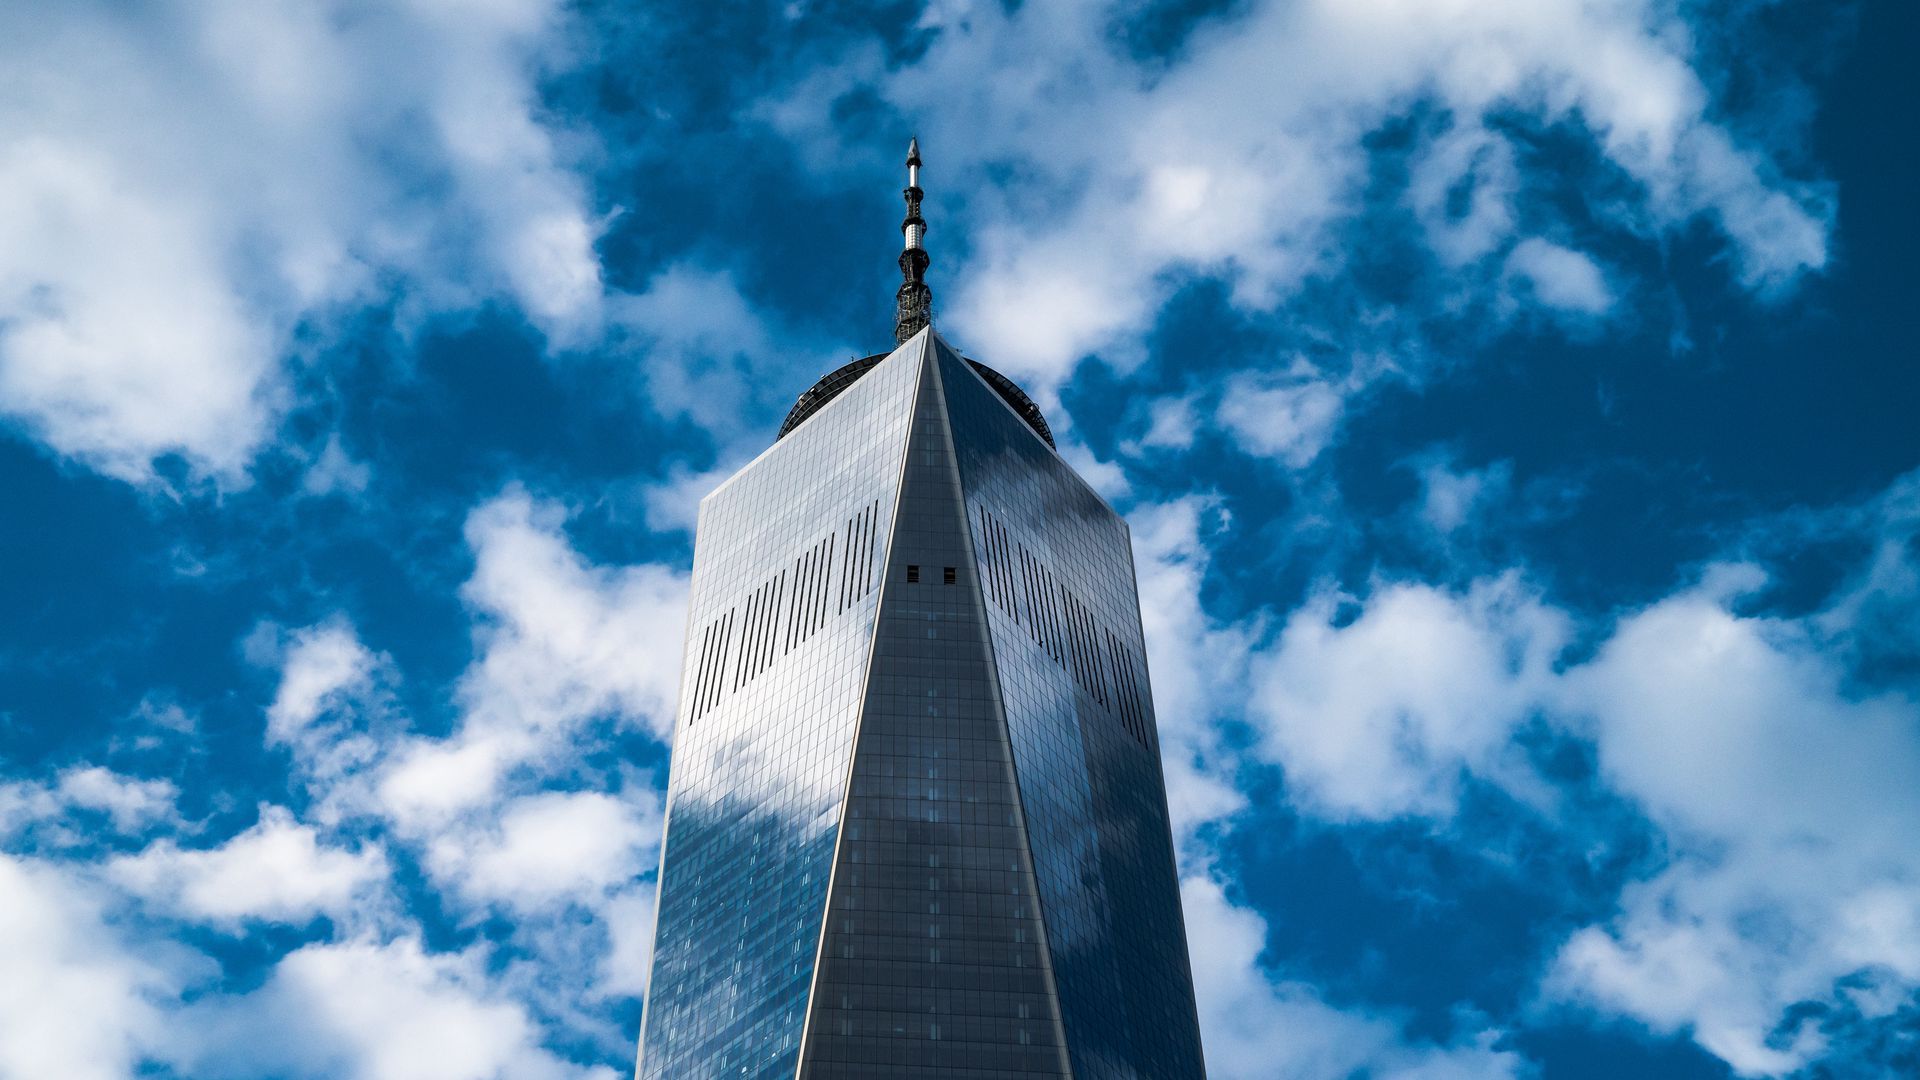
(933, 963)
(1064, 617)
(786, 575)
(917, 826)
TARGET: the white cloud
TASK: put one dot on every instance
(1171, 423)
(367, 1011)
(705, 352)
(1243, 156)
(1293, 417)
(1255, 1028)
(279, 870)
(183, 188)
(73, 1002)
(1453, 499)
(674, 504)
(330, 710)
(1560, 278)
(1785, 801)
(1384, 715)
(322, 666)
(129, 803)
(1472, 165)
(1244, 159)
(563, 643)
(1790, 805)
(1199, 665)
(1105, 477)
(549, 847)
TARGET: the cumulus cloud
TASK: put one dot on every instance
(627, 965)
(1791, 805)
(279, 870)
(707, 353)
(371, 1011)
(1199, 663)
(1292, 417)
(1559, 278)
(1278, 150)
(562, 643)
(569, 655)
(129, 804)
(1385, 712)
(1453, 499)
(333, 472)
(321, 665)
(74, 1000)
(184, 188)
(1783, 793)
(1462, 187)
(1243, 157)
(329, 711)
(549, 847)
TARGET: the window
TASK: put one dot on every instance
(949, 575)
(913, 573)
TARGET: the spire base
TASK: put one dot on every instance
(912, 311)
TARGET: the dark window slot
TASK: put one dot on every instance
(748, 627)
(700, 674)
(873, 547)
(1026, 578)
(985, 549)
(949, 575)
(720, 661)
(793, 605)
(760, 630)
(913, 573)
(772, 621)
(806, 605)
(1006, 572)
(1073, 637)
(1099, 665)
(826, 579)
(1053, 616)
(740, 662)
(846, 560)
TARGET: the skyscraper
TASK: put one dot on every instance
(917, 826)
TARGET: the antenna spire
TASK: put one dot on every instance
(913, 304)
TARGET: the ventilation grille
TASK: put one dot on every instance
(1062, 626)
(783, 612)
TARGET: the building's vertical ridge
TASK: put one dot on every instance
(859, 578)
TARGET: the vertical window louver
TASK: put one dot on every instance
(773, 620)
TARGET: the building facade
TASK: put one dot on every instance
(917, 826)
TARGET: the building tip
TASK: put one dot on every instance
(913, 150)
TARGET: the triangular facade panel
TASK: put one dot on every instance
(933, 960)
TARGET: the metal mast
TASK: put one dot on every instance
(913, 304)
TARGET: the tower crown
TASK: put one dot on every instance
(834, 382)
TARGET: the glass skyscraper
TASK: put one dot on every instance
(917, 826)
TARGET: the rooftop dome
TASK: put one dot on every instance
(837, 380)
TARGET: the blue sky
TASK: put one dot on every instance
(1512, 402)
